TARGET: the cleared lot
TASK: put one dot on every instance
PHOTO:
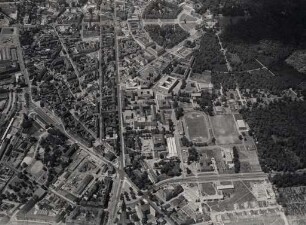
(225, 129)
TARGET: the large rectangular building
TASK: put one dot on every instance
(172, 148)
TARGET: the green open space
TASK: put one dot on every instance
(225, 129)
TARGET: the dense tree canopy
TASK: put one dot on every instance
(271, 19)
(161, 9)
(280, 129)
(270, 32)
(209, 56)
(193, 155)
(255, 80)
(167, 36)
(206, 102)
(236, 160)
(289, 179)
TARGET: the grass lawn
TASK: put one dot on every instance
(225, 129)
(238, 197)
(208, 189)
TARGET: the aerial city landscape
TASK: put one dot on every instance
(158, 112)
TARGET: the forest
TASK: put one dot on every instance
(270, 32)
(255, 80)
(246, 56)
(289, 180)
(280, 130)
(209, 56)
(229, 7)
(270, 20)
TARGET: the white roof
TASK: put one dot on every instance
(241, 123)
(171, 146)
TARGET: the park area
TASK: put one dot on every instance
(167, 36)
(209, 55)
(161, 10)
(225, 129)
(196, 126)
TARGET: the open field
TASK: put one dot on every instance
(248, 159)
(188, 26)
(258, 220)
(188, 22)
(7, 31)
(36, 168)
(225, 129)
(188, 18)
(217, 155)
(197, 127)
(240, 197)
(208, 189)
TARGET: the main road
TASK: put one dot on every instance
(121, 174)
(205, 178)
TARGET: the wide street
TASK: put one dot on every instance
(113, 207)
(204, 178)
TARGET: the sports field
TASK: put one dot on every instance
(196, 127)
(225, 129)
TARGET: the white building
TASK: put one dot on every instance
(172, 148)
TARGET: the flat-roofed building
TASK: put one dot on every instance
(242, 126)
(225, 186)
(172, 148)
(167, 84)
